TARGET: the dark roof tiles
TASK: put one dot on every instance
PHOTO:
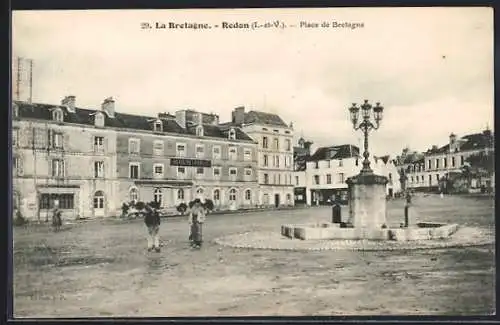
(335, 152)
(123, 120)
(264, 118)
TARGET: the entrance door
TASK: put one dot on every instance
(390, 192)
(276, 200)
(99, 204)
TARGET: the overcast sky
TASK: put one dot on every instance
(432, 69)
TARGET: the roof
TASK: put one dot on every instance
(335, 152)
(122, 120)
(258, 117)
(468, 142)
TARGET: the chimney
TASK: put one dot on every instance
(239, 115)
(453, 137)
(199, 118)
(180, 118)
(69, 102)
(164, 116)
(215, 119)
(108, 106)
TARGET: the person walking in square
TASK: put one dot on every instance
(196, 219)
(152, 221)
(57, 219)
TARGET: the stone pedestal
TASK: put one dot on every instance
(367, 201)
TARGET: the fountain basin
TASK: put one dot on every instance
(322, 231)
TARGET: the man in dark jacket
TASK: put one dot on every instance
(152, 221)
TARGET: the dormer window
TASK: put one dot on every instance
(99, 119)
(232, 134)
(57, 115)
(158, 126)
(199, 131)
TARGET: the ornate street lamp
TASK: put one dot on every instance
(368, 122)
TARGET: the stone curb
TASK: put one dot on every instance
(242, 241)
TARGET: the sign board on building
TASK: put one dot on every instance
(185, 162)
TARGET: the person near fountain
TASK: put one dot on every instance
(196, 218)
(152, 221)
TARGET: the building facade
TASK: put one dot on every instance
(274, 154)
(60, 155)
(301, 154)
(329, 167)
(438, 163)
(91, 161)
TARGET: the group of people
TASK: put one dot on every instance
(196, 218)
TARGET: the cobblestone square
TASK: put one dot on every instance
(102, 268)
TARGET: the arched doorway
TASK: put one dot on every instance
(158, 196)
(99, 204)
(232, 199)
(216, 197)
(134, 194)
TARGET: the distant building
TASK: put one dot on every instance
(301, 153)
(428, 172)
(329, 168)
(93, 160)
(274, 151)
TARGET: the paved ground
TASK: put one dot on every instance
(103, 269)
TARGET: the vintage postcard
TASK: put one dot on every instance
(253, 162)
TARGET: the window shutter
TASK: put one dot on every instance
(105, 144)
(49, 139)
(63, 168)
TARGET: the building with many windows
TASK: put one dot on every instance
(90, 161)
(329, 167)
(274, 152)
(437, 163)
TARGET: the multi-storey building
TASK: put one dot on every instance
(91, 161)
(437, 163)
(329, 167)
(62, 154)
(301, 154)
(275, 154)
(172, 159)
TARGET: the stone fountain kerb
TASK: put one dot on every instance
(367, 218)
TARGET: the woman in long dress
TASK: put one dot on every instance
(196, 219)
(152, 221)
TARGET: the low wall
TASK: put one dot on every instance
(426, 233)
(326, 231)
(331, 231)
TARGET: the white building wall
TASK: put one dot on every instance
(280, 180)
(340, 170)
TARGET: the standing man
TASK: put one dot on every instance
(196, 219)
(152, 221)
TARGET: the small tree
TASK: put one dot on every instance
(209, 205)
(181, 208)
(140, 205)
(125, 208)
